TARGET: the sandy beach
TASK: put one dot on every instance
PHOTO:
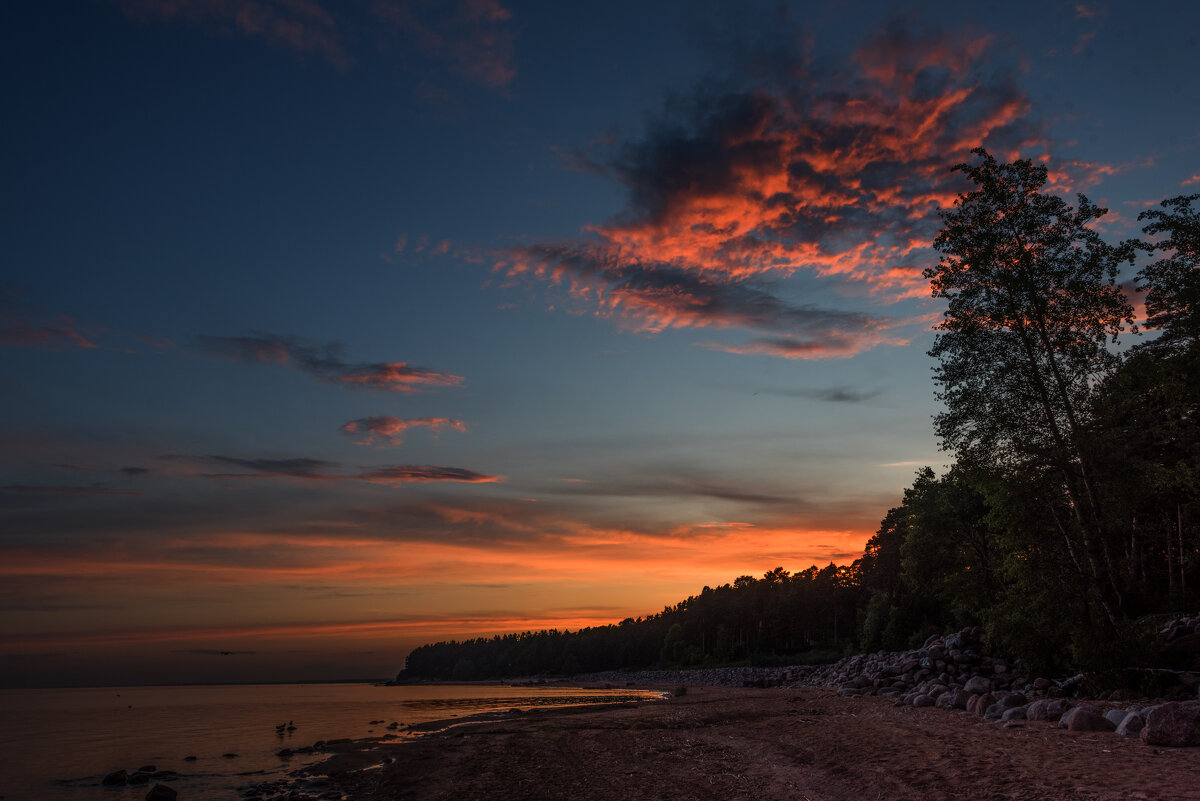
(721, 743)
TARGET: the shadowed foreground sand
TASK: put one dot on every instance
(720, 743)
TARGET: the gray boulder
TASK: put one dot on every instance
(1175, 724)
(978, 684)
(954, 699)
(1049, 709)
(1085, 717)
(1131, 725)
(1013, 713)
(1115, 716)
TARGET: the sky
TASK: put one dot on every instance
(328, 329)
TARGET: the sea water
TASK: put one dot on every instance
(57, 744)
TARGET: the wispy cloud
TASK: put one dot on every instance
(49, 489)
(300, 25)
(652, 297)
(308, 469)
(316, 469)
(474, 38)
(840, 394)
(325, 362)
(385, 430)
(412, 473)
(22, 325)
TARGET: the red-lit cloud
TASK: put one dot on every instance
(325, 362)
(836, 173)
(385, 430)
(413, 473)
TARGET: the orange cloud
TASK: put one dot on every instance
(837, 175)
(385, 430)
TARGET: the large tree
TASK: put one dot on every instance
(1033, 311)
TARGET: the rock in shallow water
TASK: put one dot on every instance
(115, 779)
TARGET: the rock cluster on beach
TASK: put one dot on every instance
(953, 672)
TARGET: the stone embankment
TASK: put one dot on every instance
(953, 672)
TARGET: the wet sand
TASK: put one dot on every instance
(725, 744)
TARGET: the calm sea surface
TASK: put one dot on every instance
(56, 745)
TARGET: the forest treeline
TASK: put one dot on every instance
(1067, 523)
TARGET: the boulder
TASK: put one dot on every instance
(161, 792)
(140, 777)
(1050, 709)
(1131, 725)
(1115, 716)
(1010, 700)
(1085, 717)
(954, 699)
(1175, 724)
(922, 700)
(980, 703)
(1013, 713)
(978, 684)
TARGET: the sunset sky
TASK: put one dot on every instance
(332, 328)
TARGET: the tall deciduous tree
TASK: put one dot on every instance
(1033, 310)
